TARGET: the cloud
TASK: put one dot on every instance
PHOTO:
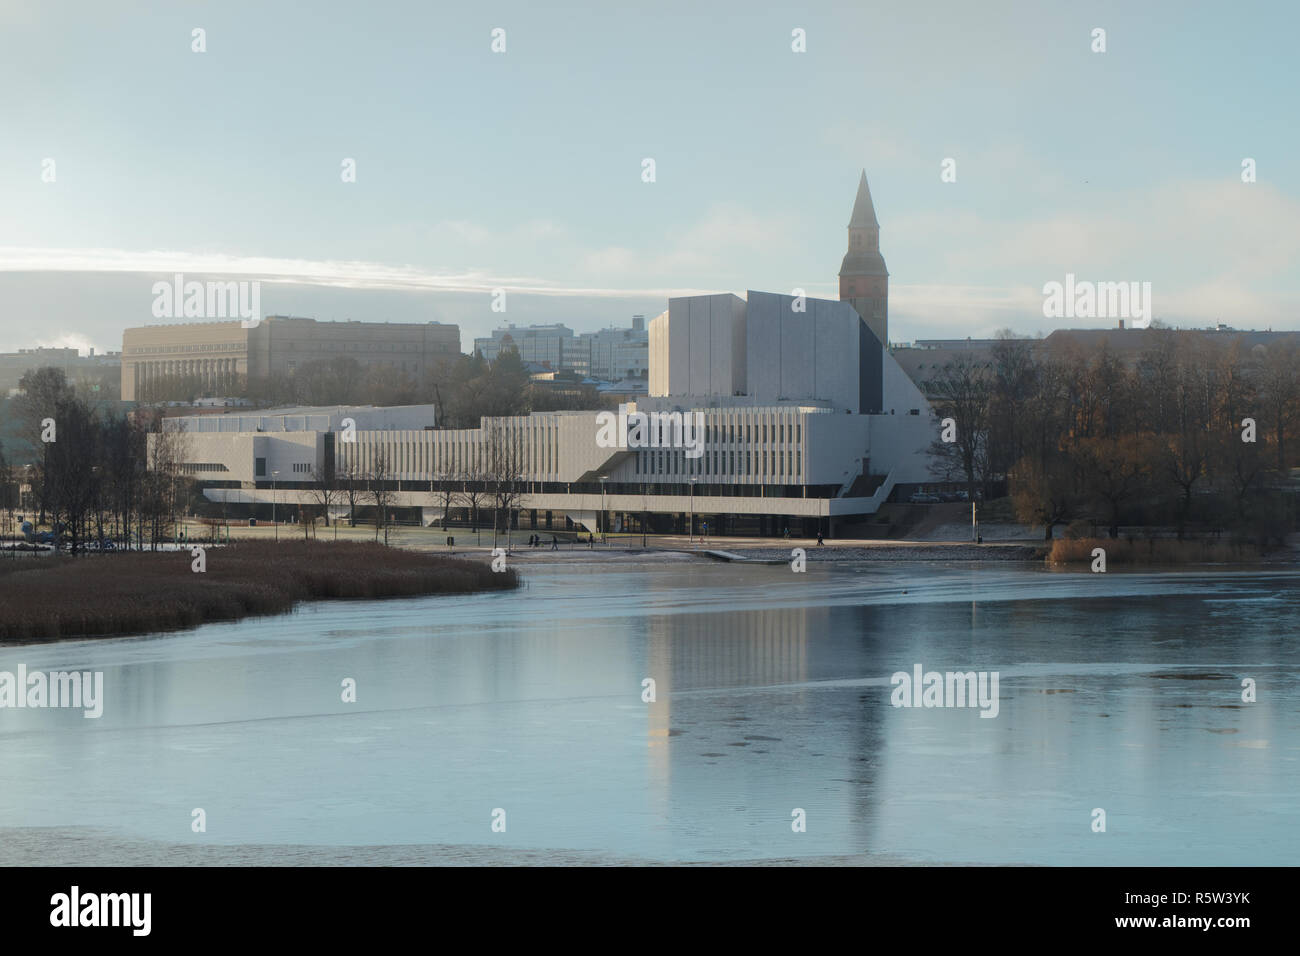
(329, 273)
(726, 234)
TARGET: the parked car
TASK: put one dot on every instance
(923, 499)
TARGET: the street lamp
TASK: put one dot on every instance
(604, 519)
(692, 526)
(274, 500)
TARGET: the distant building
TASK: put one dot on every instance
(925, 359)
(221, 355)
(615, 354)
(553, 346)
(608, 355)
(14, 365)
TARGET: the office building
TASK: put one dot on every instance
(223, 356)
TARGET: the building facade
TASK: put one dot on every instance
(609, 355)
(798, 418)
(761, 469)
(14, 365)
(615, 355)
(219, 356)
(553, 346)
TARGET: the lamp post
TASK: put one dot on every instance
(604, 519)
(274, 501)
(692, 525)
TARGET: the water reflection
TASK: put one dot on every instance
(771, 693)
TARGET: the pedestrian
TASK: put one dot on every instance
(591, 541)
(555, 543)
(819, 538)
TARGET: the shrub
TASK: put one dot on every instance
(138, 592)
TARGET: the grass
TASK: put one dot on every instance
(1151, 551)
(140, 592)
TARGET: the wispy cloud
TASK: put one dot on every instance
(329, 273)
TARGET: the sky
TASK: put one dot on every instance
(523, 169)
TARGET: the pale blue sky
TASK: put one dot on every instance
(522, 169)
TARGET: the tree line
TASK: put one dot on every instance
(1189, 432)
(95, 475)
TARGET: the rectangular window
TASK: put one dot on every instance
(259, 467)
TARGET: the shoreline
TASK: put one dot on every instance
(88, 846)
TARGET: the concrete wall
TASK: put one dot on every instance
(658, 331)
(698, 346)
(802, 356)
(901, 440)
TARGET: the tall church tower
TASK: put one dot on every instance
(864, 280)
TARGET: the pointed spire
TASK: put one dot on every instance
(864, 211)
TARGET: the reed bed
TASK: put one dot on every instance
(1152, 551)
(142, 592)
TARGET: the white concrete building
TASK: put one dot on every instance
(697, 347)
(805, 422)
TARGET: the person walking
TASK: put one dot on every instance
(819, 538)
(555, 543)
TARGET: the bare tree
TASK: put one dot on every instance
(505, 467)
(447, 495)
(474, 492)
(325, 489)
(352, 487)
(962, 391)
(1279, 392)
(167, 450)
(379, 479)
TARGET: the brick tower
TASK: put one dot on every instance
(864, 280)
